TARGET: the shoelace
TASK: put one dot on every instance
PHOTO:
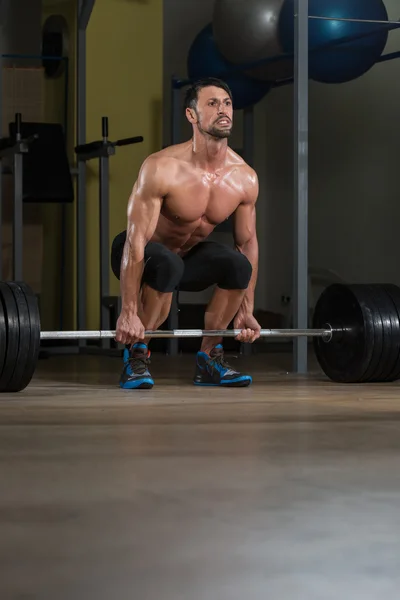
(139, 364)
(218, 358)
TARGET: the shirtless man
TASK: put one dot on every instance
(182, 193)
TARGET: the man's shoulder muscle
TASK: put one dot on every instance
(156, 173)
(157, 163)
(249, 183)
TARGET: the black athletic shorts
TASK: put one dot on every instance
(208, 263)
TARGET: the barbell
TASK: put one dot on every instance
(356, 333)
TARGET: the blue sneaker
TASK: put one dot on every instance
(212, 369)
(136, 375)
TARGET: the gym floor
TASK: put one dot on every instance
(287, 490)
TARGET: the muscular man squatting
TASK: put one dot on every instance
(182, 193)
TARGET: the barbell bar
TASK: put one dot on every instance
(180, 333)
(355, 333)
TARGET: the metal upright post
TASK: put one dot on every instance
(18, 220)
(176, 114)
(176, 117)
(84, 12)
(248, 155)
(104, 235)
(300, 246)
(248, 135)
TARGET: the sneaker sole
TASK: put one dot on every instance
(145, 384)
(244, 383)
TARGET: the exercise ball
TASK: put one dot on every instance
(246, 31)
(342, 62)
(205, 60)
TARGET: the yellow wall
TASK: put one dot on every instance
(124, 82)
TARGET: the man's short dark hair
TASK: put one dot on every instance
(192, 92)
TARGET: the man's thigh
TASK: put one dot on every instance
(163, 269)
(211, 263)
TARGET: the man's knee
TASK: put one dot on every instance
(163, 271)
(236, 271)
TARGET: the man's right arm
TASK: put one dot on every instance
(144, 208)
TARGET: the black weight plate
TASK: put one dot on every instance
(391, 332)
(347, 357)
(371, 314)
(12, 329)
(3, 338)
(393, 292)
(16, 382)
(34, 348)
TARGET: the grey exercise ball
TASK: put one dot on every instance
(246, 31)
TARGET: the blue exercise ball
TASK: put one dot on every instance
(205, 60)
(346, 61)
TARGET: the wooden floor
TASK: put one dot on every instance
(287, 490)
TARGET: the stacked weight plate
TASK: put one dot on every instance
(365, 346)
(393, 292)
(19, 336)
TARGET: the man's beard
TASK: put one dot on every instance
(214, 132)
(219, 133)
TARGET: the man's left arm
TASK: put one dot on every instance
(246, 242)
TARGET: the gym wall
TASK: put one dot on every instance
(124, 82)
(353, 195)
(354, 204)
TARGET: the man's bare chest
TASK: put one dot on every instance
(209, 200)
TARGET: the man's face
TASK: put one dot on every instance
(214, 112)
